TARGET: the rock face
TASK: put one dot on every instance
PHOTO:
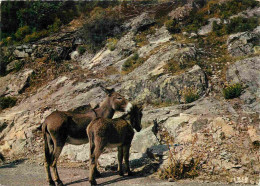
(165, 87)
(244, 43)
(14, 84)
(247, 71)
(209, 128)
(139, 23)
(204, 30)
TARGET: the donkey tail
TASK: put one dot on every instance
(46, 144)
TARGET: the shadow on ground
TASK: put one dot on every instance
(12, 164)
(142, 167)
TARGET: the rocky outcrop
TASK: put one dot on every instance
(14, 84)
(244, 43)
(247, 72)
(139, 23)
(166, 87)
(204, 30)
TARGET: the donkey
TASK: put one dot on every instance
(61, 127)
(104, 132)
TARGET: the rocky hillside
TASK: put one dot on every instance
(200, 88)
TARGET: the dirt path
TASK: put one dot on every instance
(27, 174)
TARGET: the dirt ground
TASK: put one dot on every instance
(23, 173)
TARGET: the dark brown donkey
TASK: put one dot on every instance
(61, 127)
(104, 132)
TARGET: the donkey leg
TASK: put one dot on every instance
(120, 160)
(93, 162)
(48, 148)
(126, 150)
(57, 151)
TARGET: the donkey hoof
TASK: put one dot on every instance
(93, 182)
(121, 173)
(60, 183)
(51, 183)
(97, 174)
(130, 173)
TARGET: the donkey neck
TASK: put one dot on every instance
(105, 110)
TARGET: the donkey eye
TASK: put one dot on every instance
(119, 98)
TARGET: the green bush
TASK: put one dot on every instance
(190, 94)
(132, 63)
(81, 50)
(55, 26)
(35, 36)
(173, 26)
(7, 102)
(100, 26)
(111, 43)
(240, 24)
(233, 7)
(195, 21)
(232, 91)
(18, 66)
(22, 32)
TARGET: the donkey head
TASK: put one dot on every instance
(136, 117)
(116, 100)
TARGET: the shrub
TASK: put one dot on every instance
(173, 26)
(35, 36)
(7, 102)
(190, 94)
(195, 21)
(232, 91)
(81, 50)
(225, 10)
(18, 66)
(101, 25)
(240, 24)
(111, 43)
(22, 32)
(55, 26)
(132, 62)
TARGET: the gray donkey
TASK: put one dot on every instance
(104, 132)
(69, 127)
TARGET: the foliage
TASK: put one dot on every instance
(7, 102)
(35, 36)
(101, 25)
(34, 16)
(189, 94)
(240, 24)
(111, 43)
(22, 32)
(173, 26)
(55, 26)
(18, 66)
(132, 62)
(178, 167)
(81, 50)
(225, 10)
(237, 24)
(232, 91)
(195, 21)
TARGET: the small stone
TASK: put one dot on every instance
(170, 180)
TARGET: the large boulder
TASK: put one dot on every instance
(244, 43)
(139, 23)
(166, 88)
(247, 72)
(14, 84)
